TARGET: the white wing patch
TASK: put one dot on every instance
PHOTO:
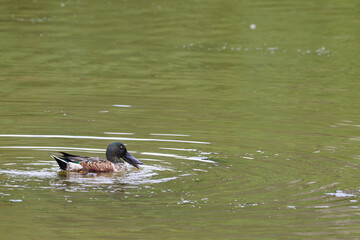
(74, 167)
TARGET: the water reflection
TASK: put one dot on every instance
(117, 133)
(179, 149)
(123, 106)
(167, 134)
(340, 193)
(265, 48)
(48, 148)
(101, 138)
(43, 173)
(198, 158)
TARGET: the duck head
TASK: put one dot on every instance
(117, 151)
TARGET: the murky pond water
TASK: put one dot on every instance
(245, 114)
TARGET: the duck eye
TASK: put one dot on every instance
(121, 147)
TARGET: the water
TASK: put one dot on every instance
(245, 114)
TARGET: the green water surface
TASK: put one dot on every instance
(246, 115)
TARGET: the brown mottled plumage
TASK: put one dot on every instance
(101, 165)
(114, 152)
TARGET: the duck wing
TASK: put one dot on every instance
(78, 159)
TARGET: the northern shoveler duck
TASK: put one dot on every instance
(114, 152)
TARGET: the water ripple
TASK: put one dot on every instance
(31, 171)
(101, 138)
(197, 158)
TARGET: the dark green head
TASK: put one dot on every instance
(116, 150)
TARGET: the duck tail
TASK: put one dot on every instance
(63, 164)
(66, 155)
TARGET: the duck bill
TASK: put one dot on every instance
(131, 160)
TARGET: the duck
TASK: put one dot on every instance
(116, 152)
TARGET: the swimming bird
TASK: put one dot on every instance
(115, 152)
